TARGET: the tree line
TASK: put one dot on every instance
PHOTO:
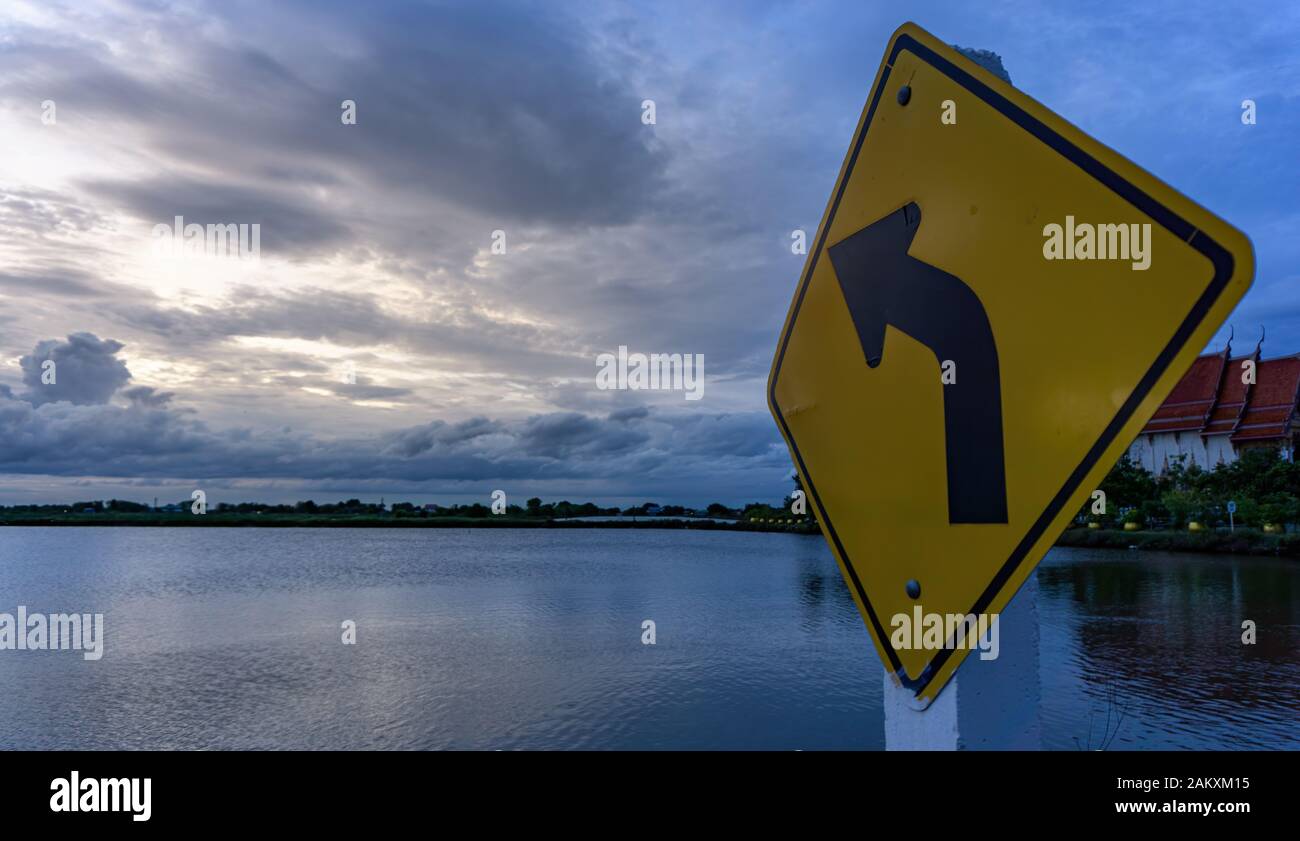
(533, 507)
(1265, 488)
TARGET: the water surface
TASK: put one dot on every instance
(530, 638)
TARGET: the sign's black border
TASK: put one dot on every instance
(1219, 257)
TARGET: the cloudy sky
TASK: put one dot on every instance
(476, 370)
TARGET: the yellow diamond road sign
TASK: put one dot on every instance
(994, 305)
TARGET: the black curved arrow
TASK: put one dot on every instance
(882, 285)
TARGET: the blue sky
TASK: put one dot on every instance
(475, 371)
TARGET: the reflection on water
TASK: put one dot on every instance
(532, 638)
(1159, 636)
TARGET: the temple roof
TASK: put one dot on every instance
(1212, 399)
(1273, 399)
(1188, 406)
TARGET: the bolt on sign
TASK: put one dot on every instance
(994, 305)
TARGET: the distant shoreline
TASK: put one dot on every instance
(1241, 541)
(218, 520)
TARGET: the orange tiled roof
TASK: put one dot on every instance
(1188, 406)
(1272, 401)
(1230, 403)
(1211, 399)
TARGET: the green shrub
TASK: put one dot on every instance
(1279, 508)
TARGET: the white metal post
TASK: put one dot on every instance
(988, 704)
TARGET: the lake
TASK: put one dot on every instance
(532, 638)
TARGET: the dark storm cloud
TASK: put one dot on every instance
(439, 435)
(147, 438)
(86, 370)
(147, 396)
(288, 223)
(538, 128)
(749, 434)
(564, 435)
(77, 431)
(504, 110)
(363, 390)
(629, 414)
